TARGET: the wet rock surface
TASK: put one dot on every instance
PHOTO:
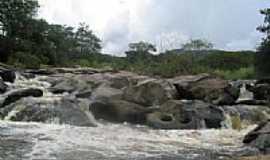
(260, 137)
(7, 75)
(15, 95)
(3, 86)
(60, 111)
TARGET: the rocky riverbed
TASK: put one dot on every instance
(85, 113)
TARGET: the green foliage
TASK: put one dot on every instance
(25, 60)
(242, 73)
(263, 56)
(87, 41)
(21, 33)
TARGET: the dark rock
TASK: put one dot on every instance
(150, 92)
(28, 75)
(261, 91)
(260, 137)
(8, 75)
(40, 72)
(252, 102)
(15, 95)
(176, 114)
(84, 94)
(207, 88)
(62, 111)
(119, 111)
(3, 86)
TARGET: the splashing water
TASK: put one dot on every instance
(115, 141)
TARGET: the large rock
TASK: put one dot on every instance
(104, 93)
(69, 85)
(3, 86)
(261, 90)
(15, 95)
(7, 75)
(207, 88)
(260, 137)
(176, 114)
(150, 92)
(119, 111)
(61, 111)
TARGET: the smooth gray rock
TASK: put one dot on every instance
(176, 114)
(119, 111)
(150, 92)
(206, 88)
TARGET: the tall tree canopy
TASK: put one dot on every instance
(23, 35)
(87, 41)
(14, 14)
(263, 55)
(140, 51)
(265, 28)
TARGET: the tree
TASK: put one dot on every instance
(263, 55)
(142, 47)
(87, 41)
(14, 16)
(140, 51)
(15, 13)
(197, 45)
(265, 45)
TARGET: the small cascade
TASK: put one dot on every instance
(245, 94)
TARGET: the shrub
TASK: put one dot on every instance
(25, 60)
(242, 73)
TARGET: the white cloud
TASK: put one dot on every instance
(229, 24)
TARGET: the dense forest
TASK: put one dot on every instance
(29, 42)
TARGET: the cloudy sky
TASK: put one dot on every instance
(229, 24)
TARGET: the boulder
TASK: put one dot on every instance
(3, 86)
(260, 137)
(176, 114)
(150, 92)
(261, 90)
(207, 88)
(69, 85)
(61, 111)
(105, 92)
(7, 75)
(119, 111)
(15, 95)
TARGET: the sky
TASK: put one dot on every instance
(229, 24)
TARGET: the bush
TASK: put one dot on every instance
(242, 73)
(25, 60)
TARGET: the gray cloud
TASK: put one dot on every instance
(229, 24)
